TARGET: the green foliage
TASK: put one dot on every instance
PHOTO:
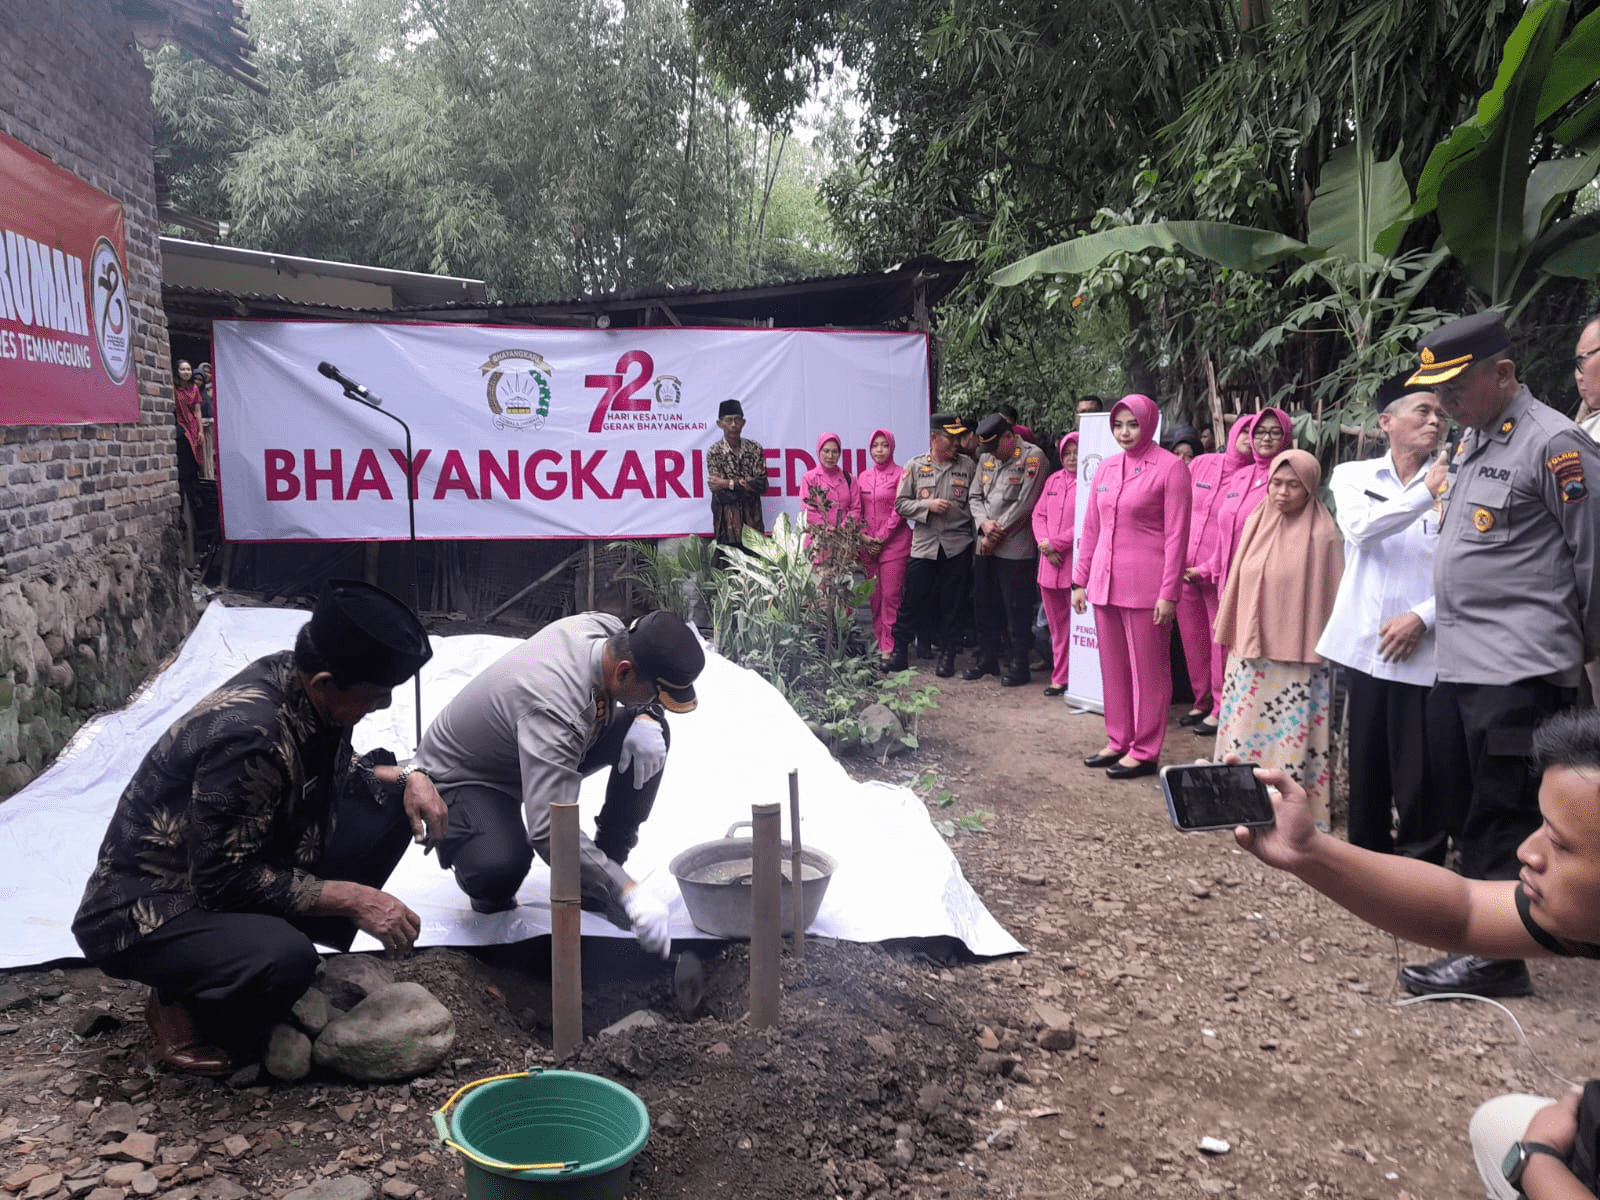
(548, 149)
(676, 575)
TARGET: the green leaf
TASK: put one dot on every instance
(1361, 207)
(1549, 183)
(1574, 69)
(1481, 195)
(1238, 247)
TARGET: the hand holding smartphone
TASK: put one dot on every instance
(1203, 796)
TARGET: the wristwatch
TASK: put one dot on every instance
(1516, 1160)
(407, 771)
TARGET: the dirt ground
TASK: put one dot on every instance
(1207, 998)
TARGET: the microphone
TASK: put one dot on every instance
(355, 389)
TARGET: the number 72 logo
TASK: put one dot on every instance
(619, 392)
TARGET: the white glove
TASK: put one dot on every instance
(649, 917)
(646, 748)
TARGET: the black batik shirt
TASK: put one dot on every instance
(230, 811)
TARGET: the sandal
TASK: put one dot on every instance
(178, 1045)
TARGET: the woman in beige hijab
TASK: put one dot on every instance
(1276, 704)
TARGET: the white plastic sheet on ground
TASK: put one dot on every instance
(896, 877)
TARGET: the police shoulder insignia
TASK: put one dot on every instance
(1482, 520)
(1507, 426)
(1567, 467)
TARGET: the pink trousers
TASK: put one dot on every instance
(1058, 614)
(1136, 675)
(1197, 614)
(890, 573)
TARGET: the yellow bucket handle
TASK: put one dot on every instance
(443, 1130)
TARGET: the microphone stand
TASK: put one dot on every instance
(411, 516)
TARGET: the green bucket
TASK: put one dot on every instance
(550, 1135)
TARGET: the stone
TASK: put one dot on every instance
(288, 1053)
(145, 1184)
(117, 1117)
(122, 1174)
(135, 1147)
(96, 1021)
(348, 979)
(398, 1189)
(312, 1012)
(105, 1193)
(42, 1185)
(246, 1076)
(398, 1032)
(220, 1187)
(178, 1155)
(641, 1018)
(1058, 1039)
(346, 1187)
(23, 1176)
(235, 1144)
(883, 730)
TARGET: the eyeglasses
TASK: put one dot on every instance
(1579, 359)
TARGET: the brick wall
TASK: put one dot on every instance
(92, 592)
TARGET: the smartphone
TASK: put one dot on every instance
(1215, 796)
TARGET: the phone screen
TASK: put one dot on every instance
(1215, 796)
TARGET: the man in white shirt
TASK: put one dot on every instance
(1586, 371)
(1381, 628)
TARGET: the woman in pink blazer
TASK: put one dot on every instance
(1129, 565)
(1242, 494)
(1197, 603)
(827, 493)
(1053, 529)
(887, 535)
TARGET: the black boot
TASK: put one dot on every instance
(947, 664)
(924, 647)
(1016, 673)
(899, 660)
(983, 664)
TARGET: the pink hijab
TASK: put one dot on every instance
(1145, 411)
(887, 468)
(835, 484)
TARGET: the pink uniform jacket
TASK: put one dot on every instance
(875, 488)
(1242, 494)
(1136, 528)
(1053, 521)
(1208, 474)
(839, 489)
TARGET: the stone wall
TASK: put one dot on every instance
(92, 590)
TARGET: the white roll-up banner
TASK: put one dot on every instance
(1095, 444)
(522, 432)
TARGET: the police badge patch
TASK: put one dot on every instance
(1567, 467)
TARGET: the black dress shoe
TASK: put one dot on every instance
(1138, 771)
(1468, 973)
(1016, 675)
(980, 667)
(924, 648)
(1102, 760)
(898, 660)
(947, 664)
(1205, 729)
(1053, 690)
(1194, 718)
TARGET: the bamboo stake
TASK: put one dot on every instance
(1218, 429)
(566, 922)
(796, 899)
(766, 898)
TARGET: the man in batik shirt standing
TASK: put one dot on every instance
(736, 470)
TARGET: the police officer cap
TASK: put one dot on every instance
(1452, 348)
(730, 408)
(992, 428)
(367, 635)
(947, 423)
(1394, 387)
(667, 652)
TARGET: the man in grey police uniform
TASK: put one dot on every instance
(1517, 587)
(935, 492)
(583, 693)
(1011, 475)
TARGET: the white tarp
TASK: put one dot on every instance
(736, 749)
(535, 433)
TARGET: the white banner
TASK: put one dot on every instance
(1095, 444)
(531, 432)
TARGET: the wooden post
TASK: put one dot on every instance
(566, 923)
(589, 585)
(766, 899)
(796, 877)
(1215, 401)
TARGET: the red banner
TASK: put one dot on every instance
(66, 325)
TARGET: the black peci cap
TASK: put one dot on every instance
(993, 427)
(730, 408)
(1457, 345)
(1396, 386)
(667, 652)
(367, 635)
